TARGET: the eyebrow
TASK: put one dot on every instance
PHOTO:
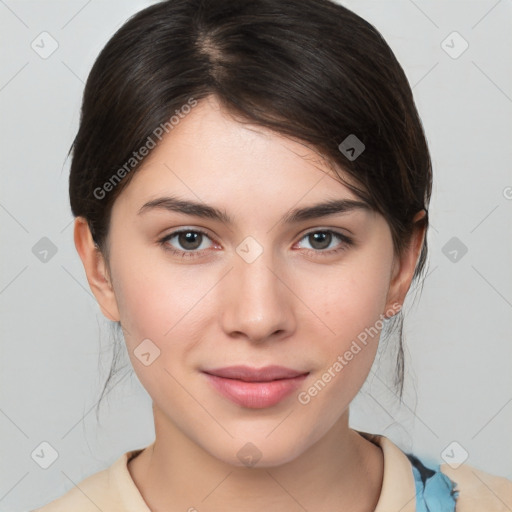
(187, 207)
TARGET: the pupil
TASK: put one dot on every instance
(189, 238)
(323, 237)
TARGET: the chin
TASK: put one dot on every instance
(258, 452)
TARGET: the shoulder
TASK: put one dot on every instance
(478, 490)
(111, 489)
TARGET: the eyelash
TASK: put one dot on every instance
(346, 242)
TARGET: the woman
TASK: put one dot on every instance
(251, 183)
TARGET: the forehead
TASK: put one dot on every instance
(210, 155)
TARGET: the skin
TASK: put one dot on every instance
(292, 306)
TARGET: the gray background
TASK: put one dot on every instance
(55, 343)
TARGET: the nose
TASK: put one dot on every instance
(258, 303)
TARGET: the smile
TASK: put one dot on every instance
(255, 388)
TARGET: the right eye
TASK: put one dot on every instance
(189, 239)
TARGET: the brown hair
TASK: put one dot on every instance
(309, 69)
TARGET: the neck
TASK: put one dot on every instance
(341, 471)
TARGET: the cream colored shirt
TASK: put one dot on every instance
(113, 489)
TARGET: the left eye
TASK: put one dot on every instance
(321, 240)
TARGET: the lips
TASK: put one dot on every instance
(255, 388)
(248, 374)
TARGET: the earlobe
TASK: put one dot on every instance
(403, 269)
(95, 269)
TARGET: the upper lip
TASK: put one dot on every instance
(248, 374)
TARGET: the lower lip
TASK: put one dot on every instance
(255, 395)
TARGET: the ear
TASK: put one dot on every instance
(95, 269)
(403, 268)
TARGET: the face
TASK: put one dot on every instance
(258, 287)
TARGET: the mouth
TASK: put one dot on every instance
(255, 388)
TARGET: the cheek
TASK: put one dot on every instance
(351, 304)
(163, 302)
(353, 297)
(160, 325)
